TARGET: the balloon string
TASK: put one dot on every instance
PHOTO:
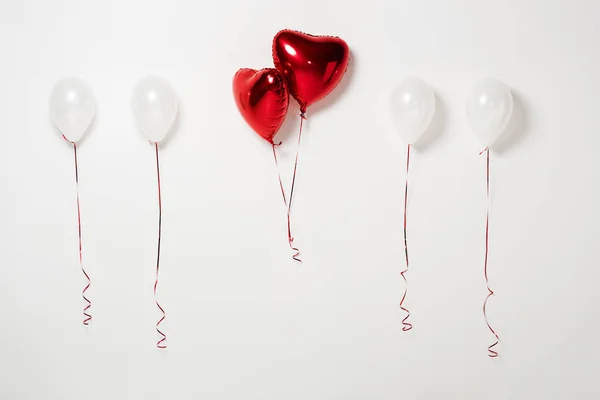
(407, 326)
(302, 118)
(296, 255)
(159, 344)
(288, 205)
(491, 353)
(87, 316)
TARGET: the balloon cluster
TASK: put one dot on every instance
(489, 108)
(307, 67)
(154, 104)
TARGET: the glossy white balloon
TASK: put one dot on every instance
(155, 105)
(72, 107)
(489, 109)
(412, 108)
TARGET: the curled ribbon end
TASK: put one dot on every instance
(492, 353)
(296, 255)
(407, 326)
(160, 344)
(88, 317)
(163, 338)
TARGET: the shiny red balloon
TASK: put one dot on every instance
(262, 99)
(312, 65)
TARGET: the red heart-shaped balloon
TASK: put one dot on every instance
(312, 65)
(262, 99)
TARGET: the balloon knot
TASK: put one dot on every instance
(303, 115)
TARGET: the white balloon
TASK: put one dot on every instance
(72, 107)
(489, 109)
(154, 104)
(413, 106)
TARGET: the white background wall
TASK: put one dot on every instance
(243, 321)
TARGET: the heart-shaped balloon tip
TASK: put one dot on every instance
(312, 65)
(262, 99)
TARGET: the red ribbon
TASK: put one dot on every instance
(87, 317)
(288, 205)
(406, 325)
(159, 344)
(491, 353)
